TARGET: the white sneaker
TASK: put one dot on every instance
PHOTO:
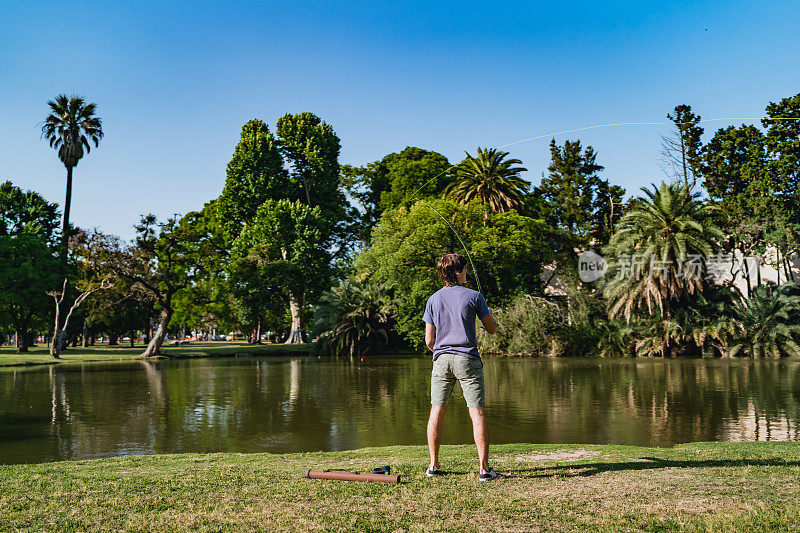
(431, 472)
(488, 475)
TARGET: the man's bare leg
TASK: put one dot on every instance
(435, 433)
(481, 434)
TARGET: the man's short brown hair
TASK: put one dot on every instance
(449, 266)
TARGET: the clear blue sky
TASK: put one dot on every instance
(175, 81)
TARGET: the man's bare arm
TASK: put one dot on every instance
(489, 324)
(430, 335)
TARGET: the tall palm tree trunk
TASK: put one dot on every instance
(65, 227)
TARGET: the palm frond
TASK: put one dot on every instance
(71, 126)
(491, 178)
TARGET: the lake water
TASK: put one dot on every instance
(305, 404)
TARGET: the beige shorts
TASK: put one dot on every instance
(468, 371)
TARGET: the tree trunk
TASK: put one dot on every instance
(258, 331)
(747, 273)
(758, 273)
(296, 308)
(154, 346)
(683, 161)
(131, 335)
(113, 339)
(787, 269)
(65, 226)
(55, 345)
(85, 335)
(22, 340)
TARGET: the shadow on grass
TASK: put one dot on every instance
(646, 463)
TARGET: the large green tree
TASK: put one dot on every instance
(27, 212)
(489, 177)
(163, 260)
(71, 127)
(114, 305)
(206, 303)
(578, 201)
(681, 148)
(398, 178)
(508, 251)
(783, 144)
(299, 165)
(28, 225)
(255, 173)
(413, 173)
(736, 175)
(288, 240)
(28, 269)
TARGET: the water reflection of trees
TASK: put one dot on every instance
(305, 404)
(654, 402)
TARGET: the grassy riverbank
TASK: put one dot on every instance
(706, 486)
(40, 354)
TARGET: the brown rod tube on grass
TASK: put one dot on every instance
(351, 476)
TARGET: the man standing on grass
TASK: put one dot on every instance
(450, 333)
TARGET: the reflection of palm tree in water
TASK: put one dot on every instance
(59, 411)
(58, 397)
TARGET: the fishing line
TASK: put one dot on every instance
(477, 279)
(730, 119)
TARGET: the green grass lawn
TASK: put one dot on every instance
(41, 355)
(705, 486)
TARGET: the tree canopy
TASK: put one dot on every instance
(27, 212)
(578, 200)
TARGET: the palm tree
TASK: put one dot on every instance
(354, 318)
(616, 339)
(659, 250)
(710, 319)
(491, 178)
(770, 323)
(702, 324)
(69, 128)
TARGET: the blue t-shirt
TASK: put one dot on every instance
(453, 310)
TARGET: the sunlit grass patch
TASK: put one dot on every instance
(699, 486)
(40, 355)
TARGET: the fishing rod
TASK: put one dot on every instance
(585, 128)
